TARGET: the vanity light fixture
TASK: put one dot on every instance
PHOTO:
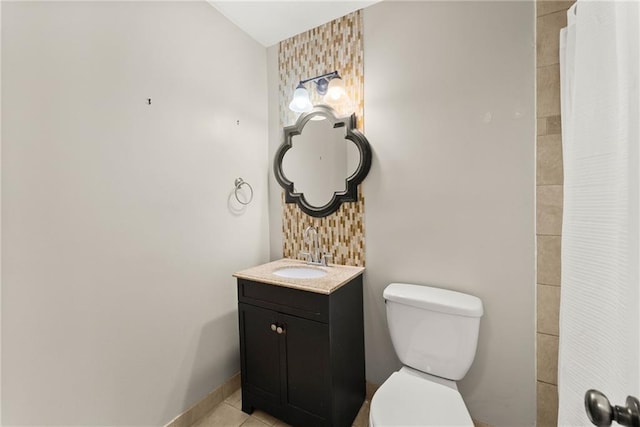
(330, 85)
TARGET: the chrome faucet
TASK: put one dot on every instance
(313, 255)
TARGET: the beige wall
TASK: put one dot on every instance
(551, 17)
(119, 234)
(449, 105)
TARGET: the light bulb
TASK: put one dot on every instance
(336, 91)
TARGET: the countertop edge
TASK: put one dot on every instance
(263, 274)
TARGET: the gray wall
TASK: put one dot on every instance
(449, 106)
(119, 234)
(276, 137)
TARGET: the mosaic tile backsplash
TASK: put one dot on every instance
(336, 45)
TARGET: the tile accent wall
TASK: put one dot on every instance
(336, 45)
(551, 17)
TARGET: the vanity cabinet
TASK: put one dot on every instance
(302, 352)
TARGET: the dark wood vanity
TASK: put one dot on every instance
(302, 351)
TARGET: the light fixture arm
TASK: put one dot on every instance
(327, 76)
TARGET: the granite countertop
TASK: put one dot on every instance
(337, 275)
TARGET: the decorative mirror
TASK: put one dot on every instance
(322, 160)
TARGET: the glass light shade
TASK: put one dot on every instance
(321, 86)
(301, 102)
(336, 91)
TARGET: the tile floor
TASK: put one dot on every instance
(229, 414)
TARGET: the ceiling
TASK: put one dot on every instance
(270, 22)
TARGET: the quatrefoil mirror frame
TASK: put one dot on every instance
(350, 194)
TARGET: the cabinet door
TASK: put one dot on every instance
(260, 352)
(306, 360)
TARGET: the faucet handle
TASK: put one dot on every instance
(325, 256)
(307, 255)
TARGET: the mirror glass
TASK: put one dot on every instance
(319, 161)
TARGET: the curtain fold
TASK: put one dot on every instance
(600, 98)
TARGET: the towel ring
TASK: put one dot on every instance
(239, 182)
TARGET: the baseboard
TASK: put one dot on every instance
(371, 389)
(201, 408)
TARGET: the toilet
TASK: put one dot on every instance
(435, 334)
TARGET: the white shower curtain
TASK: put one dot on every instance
(599, 322)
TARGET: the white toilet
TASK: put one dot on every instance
(435, 334)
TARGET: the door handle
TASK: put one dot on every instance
(601, 413)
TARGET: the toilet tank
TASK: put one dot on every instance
(433, 330)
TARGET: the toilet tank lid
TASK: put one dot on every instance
(435, 299)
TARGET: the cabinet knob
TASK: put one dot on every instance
(273, 327)
(279, 330)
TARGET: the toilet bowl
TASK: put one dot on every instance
(434, 333)
(408, 400)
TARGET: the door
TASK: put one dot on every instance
(306, 360)
(259, 343)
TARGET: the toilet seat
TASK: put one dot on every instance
(407, 400)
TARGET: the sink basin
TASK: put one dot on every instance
(300, 272)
